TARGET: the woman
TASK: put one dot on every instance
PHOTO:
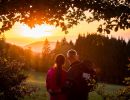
(55, 80)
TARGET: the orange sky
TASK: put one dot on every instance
(22, 35)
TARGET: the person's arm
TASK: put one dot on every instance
(49, 90)
(69, 82)
(49, 85)
(47, 82)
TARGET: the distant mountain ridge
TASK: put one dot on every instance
(37, 46)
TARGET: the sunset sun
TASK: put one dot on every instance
(38, 31)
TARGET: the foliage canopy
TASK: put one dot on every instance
(65, 13)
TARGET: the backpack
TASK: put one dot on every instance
(86, 77)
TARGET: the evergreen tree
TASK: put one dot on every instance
(71, 43)
(46, 56)
(46, 47)
(109, 54)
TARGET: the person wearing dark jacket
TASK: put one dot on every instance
(77, 77)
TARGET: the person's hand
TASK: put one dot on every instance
(54, 92)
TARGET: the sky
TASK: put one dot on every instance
(22, 35)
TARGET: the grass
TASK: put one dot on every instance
(37, 79)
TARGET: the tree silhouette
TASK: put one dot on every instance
(65, 13)
(46, 56)
(109, 54)
(62, 47)
(46, 47)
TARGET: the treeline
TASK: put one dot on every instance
(109, 55)
(46, 59)
(32, 60)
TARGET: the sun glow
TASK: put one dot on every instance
(38, 31)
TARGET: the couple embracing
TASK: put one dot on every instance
(73, 84)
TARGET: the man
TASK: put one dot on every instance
(77, 77)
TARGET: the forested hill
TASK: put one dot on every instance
(38, 46)
(109, 54)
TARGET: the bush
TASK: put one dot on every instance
(12, 78)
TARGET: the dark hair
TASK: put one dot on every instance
(60, 60)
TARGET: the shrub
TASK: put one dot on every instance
(12, 78)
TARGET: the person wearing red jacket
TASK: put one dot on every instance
(56, 78)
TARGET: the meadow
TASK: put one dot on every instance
(37, 79)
